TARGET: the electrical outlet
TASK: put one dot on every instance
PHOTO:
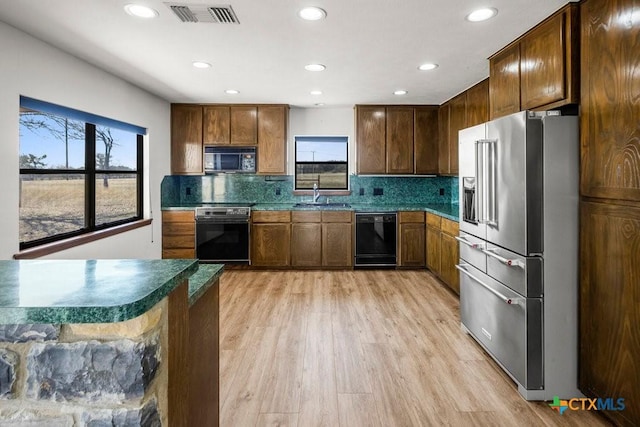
(188, 191)
(442, 191)
(361, 191)
(378, 191)
(278, 192)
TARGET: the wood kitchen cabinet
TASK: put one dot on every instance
(426, 140)
(411, 242)
(443, 138)
(457, 121)
(504, 82)
(234, 125)
(442, 250)
(337, 232)
(187, 151)
(399, 141)
(321, 239)
(371, 134)
(540, 69)
(433, 242)
(216, 120)
(272, 139)
(478, 104)
(270, 238)
(178, 234)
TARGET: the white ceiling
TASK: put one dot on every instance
(370, 47)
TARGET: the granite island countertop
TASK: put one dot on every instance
(92, 291)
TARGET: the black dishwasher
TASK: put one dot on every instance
(375, 239)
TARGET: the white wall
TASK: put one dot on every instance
(321, 121)
(37, 70)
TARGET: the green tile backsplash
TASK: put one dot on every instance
(182, 190)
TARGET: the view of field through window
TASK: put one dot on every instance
(321, 160)
(53, 175)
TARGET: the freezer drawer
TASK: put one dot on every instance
(506, 324)
(471, 249)
(521, 274)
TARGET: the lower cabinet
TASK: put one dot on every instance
(337, 232)
(411, 242)
(178, 234)
(442, 250)
(321, 239)
(270, 238)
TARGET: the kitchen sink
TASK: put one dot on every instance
(321, 205)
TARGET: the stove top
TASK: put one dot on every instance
(226, 211)
(228, 205)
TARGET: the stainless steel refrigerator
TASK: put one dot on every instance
(518, 194)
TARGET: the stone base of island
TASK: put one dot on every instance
(109, 342)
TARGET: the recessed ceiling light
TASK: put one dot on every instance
(314, 67)
(316, 92)
(482, 14)
(400, 92)
(232, 91)
(201, 64)
(312, 13)
(140, 11)
(427, 66)
(319, 104)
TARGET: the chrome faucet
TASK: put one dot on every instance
(316, 193)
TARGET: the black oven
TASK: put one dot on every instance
(376, 239)
(222, 234)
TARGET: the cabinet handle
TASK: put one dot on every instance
(506, 261)
(505, 299)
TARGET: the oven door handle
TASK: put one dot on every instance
(221, 221)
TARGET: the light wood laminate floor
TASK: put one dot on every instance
(359, 348)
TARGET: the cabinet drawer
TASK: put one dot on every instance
(178, 253)
(450, 227)
(434, 220)
(411, 217)
(471, 252)
(271, 216)
(178, 216)
(181, 242)
(178, 228)
(305, 216)
(522, 274)
(336, 216)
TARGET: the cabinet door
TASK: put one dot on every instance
(610, 107)
(504, 82)
(609, 301)
(478, 104)
(433, 249)
(425, 133)
(270, 245)
(399, 140)
(457, 121)
(337, 244)
(371, 139)
(187, 152)
(272, 140)
(306, 241)
(412, 245)
(449, 257)
(178, 234)
(542, 51)
(216, 123)
(443, 138)
(244, 125)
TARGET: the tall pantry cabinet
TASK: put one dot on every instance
(610, 204)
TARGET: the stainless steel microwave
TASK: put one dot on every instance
(230, 159)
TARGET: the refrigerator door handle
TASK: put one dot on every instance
(505, 299)
(490, 181)
(463, 240)
(506, 261)
(480, 193)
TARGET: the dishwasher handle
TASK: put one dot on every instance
(505, 299)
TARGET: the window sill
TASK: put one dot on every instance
(54, 247)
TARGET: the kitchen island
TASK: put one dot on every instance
(108, 342)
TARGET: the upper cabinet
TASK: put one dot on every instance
(540, 69)
(272, 139)
(194, 126)
(457, 121)
(478, 103)
(186, 139)
(398, 139)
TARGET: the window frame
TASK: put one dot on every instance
(90, 172)
(296, 162)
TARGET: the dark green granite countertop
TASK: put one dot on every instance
(203, 279)
(86, 291)
(449, 211)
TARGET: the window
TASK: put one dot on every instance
(78, 173)
(322, 160)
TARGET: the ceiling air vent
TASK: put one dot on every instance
(219, 14)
